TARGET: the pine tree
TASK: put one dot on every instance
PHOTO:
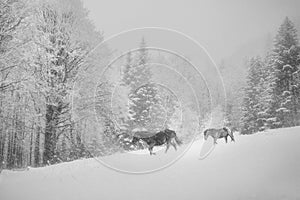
(143, 73)
(267, 96)
(137, 72)
(286, 66)
(265, 89)
(127, 75)
(144, 98)
(143, 102)
(251, 119)
(272, 93)
(108, 142)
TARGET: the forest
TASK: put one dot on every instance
(55, 107)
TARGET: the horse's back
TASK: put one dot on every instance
(143, 134)
(218, 133)
(158, 139)
(211, 131)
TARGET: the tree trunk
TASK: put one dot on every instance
(50, 135)
(37, 148)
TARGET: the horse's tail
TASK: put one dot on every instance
(205, 134)
(230, 133)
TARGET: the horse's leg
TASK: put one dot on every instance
(151, 148)
(215, 140)
(151, 153)
(168, 146)
(226, 138)
(232, 138)
(174, 145)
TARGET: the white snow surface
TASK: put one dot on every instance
(264, 166)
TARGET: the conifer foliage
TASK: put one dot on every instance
(273, 85)
(145, 102)
(251, 107)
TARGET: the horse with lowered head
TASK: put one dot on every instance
(219, 133)
(167, 137)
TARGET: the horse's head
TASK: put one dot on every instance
(172, 135)
(229, 132)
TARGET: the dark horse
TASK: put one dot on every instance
(218, 133)
(167, 136)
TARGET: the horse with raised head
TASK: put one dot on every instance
(219, 133)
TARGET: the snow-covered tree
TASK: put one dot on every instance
(267, 96)
(272, 92)
(286, 68)
(109, 137)
(61, 49)
(128, 69)
(137, 72)
(234, 77)
(145, 104)
(251, 121)
(13, 113)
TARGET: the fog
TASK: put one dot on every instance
(222, 27)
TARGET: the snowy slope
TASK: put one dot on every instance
(261, 166)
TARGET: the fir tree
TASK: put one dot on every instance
(267, 96)
(144, 102)
(286, 66)
(127, 75)
(144, 98)
(137, 72)
(251, 108)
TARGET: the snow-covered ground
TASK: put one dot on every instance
(261, 166)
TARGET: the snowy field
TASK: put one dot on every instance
(261, 166)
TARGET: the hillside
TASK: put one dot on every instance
(261, 166)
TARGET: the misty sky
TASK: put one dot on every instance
(220, 26)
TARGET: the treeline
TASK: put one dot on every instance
(43, 52)
(272, 95)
